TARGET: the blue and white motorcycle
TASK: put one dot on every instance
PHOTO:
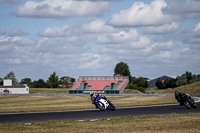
(102, 103)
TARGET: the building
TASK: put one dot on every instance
(152, 83)
(8, 88)
(100, 84)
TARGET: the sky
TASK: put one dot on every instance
(89, 37)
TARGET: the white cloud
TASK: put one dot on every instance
(89, 48)
(161, 57)
(61, 9)
(56, 31)
(62, 45)
(166, 28)
(163, 46)
(16, 41)
(97, 26)
(119, 37)
(90, 61)
(9, 40)
(142, 43)
(4, 47)
(197, 27)
(184, 9)
(14, 61)
(16, 51)
(16, 32)
(140, 14)
(191, 36)
(141, 49)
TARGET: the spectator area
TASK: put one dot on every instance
(103, 84)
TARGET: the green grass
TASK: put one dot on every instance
(156, 91)
(48, 90)
(131, 91)
(15, 104)
(178, 123)
(193, 88)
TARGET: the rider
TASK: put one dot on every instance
(94, 97)
(178, 96)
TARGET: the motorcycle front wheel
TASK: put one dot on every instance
(101, 106)
(187, 105)
(192, 103)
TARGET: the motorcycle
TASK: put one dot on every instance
(102, 103)
(188, 102)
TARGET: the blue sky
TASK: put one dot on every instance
(89, 37)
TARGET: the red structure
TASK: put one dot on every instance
(100, 84)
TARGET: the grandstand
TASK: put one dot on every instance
(100, 84)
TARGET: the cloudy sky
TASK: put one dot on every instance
(89, 37)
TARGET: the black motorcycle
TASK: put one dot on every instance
(188, 102)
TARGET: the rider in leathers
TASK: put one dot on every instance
(178, 96)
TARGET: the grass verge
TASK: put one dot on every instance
(16, 104)
(48, 90)
(193, 88)
(179, 123)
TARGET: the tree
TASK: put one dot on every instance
(122, 69)
(184, 79)
(170, 83)
(53, 81)
(38, 84)
(66, 82)
(136, 87)
(11, 75)
(188, 76)
(159, 84)
(181, 80)
(142, 82)
(1, 81)
(26, 81)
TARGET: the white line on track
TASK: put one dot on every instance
(197, 99)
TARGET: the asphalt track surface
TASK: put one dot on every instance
(96, 114)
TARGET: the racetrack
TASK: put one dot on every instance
(95, 114)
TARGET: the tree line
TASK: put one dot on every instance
(121, 69)
(184, 79)
(53, 81)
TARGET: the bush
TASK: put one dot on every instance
(136, 87)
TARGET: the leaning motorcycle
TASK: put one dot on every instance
(188, 102)
(102, 103)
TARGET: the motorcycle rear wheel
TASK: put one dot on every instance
(111, 105)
